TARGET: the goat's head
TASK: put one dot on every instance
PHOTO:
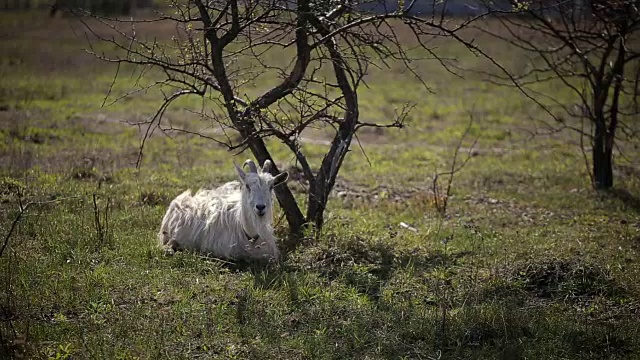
(257, 187)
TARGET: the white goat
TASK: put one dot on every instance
(233, 221)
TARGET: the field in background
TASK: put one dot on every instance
(528, 263)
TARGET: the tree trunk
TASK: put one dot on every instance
(332, 161)
(602, 157)
(317, 203)
(604, 136)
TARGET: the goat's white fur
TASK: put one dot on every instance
(225, 222)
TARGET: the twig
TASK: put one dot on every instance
(442, 207)
(22, 209)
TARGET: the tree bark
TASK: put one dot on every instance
(602, 157)
(604, 137)
(317, 203)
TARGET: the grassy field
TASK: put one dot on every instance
(528, 263)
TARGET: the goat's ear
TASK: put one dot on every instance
(266, 167)
(280, 178)
(240, 172)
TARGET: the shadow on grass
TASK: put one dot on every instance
(530, 306)
(629, 200)
(364, 265)
(573, 281)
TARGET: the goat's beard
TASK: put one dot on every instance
(255, 224)
(264, 221)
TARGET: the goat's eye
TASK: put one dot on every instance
(248, 188)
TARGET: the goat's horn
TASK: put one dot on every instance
(266, 167)
(252, 166)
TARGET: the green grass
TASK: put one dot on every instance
(528, 263)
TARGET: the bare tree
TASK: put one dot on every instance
(591, 48)
(223, 48)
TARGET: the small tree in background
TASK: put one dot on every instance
(592, 48)
(222, 49)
